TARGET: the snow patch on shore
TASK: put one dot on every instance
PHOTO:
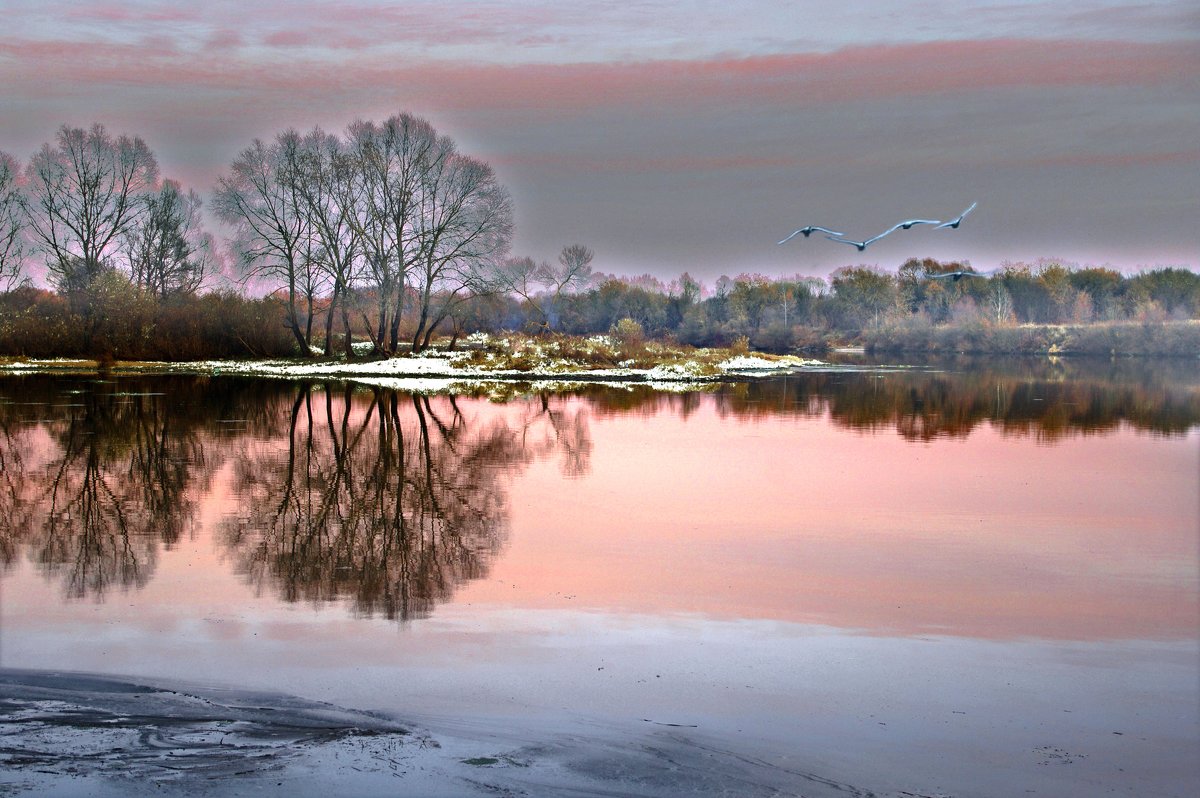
(439, 371)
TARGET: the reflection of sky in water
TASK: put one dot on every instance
(963, 605)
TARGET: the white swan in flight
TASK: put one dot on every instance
(954, 223)
(807, 231)
(958, 275)
(908, 225)
(862, 245)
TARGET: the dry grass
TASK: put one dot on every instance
(565, 354)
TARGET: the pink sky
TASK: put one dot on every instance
(682, 136)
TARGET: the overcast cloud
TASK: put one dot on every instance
(683, 136)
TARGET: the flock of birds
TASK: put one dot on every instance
(833, 235)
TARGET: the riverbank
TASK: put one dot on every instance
(482, 358)
(1108, 339)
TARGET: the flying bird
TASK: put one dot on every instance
(862, 245)
(956, 222)
(958, 275)
(908, 225)
(807, 231)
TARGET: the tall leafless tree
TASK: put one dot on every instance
(391, 211)
(274, 239)
(12, 222)
(326, 186)
(391, 159)
(465, 230)
(83, 193)
(167, 247)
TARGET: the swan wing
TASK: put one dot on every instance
(893, 229)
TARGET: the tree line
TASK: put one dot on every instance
(388, 233)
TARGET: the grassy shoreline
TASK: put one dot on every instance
(507, 358)
(606, 358)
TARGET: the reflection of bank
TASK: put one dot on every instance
(1044, 400)
(1038, 397)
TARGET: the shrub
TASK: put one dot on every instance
(630, 339)
(775, 337)
(113, 319)
(628, 332)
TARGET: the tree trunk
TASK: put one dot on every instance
(421, 322)
(346, 326)
(333, 301)
(385, 301)
(394, 333)
(293, 321)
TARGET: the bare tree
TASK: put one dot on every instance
(167, 248)
(999, 302)
(575, 263)
(260, 197)
(325, 181)
(12, 223)
(391, 159)
(543, 284)
(84, 192)
(465, 226)
(389, 212)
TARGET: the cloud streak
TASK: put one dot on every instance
(848, 75)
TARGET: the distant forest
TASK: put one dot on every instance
(389, 234)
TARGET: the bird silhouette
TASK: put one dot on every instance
(908, 225)
(956, 222)
(959, 274)
(862, 245)
(807, 231)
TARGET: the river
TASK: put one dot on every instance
(965, 577)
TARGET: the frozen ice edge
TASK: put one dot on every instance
(70, 733)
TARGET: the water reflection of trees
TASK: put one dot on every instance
(389, 500)
(1047, 400)
(95, 480)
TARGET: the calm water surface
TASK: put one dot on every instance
(982, 578)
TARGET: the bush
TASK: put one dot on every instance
(113, 319)
(630, 339)
(628, 332)
(775, 337)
